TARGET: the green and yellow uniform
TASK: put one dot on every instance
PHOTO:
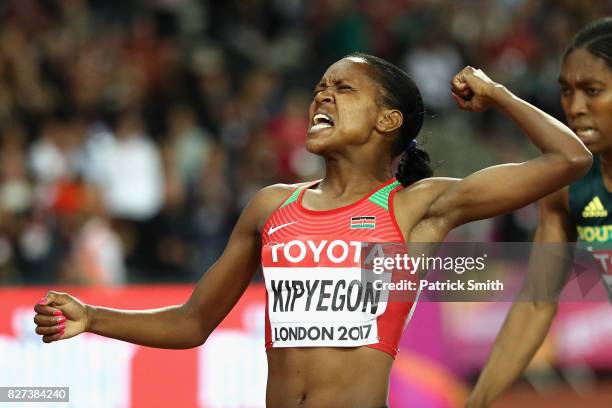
(590, 205)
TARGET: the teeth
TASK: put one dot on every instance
(320, 126)
(585, 132)
(320, 118)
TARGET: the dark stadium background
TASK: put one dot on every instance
(132, 133)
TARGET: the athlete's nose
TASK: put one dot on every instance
(324, 96)
(577, 105)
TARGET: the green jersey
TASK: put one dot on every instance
(590, 205)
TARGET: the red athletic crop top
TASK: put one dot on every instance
(311, 263)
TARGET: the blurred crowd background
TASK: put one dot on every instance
(132, 133)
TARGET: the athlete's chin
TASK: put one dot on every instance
(316, 146)
(597, 145)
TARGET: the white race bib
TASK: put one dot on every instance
(322, 307)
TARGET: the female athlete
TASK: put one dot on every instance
(581, 211)
(364, 114)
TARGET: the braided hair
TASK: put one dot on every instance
(596, 38)
(400, 92)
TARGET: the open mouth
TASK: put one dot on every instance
(321, 121)
(585, 132)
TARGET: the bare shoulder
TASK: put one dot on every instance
(275, 192)
(268, 199)
(412, 204)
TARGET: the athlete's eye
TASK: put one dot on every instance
(344, 88)
(565, 91)
(593, 91)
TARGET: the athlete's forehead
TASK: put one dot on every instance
(347, 69)
(581, 68)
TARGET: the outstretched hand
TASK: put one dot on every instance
(473, 90)
(60, 316)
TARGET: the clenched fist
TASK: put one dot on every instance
(60, 316)
(473, 90)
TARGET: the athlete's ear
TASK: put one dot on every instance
(389, 120)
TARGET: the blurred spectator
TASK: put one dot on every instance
(127, 167)
(287, 131)
(189, 144)
(15, 197)
(431, 63)
(55, 155)
(342, 29)
(214, 208)
(15, 189)
(96, 255)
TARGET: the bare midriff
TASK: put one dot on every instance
(324, 377)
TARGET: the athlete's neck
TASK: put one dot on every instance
(343, 178)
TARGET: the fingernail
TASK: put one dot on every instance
(43, 301)
(61, 327)
(58, 313)
(61, 319)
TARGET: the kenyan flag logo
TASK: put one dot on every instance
(364, 221)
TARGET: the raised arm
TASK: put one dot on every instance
(61, 316)
(504, 188)
(528, 322)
